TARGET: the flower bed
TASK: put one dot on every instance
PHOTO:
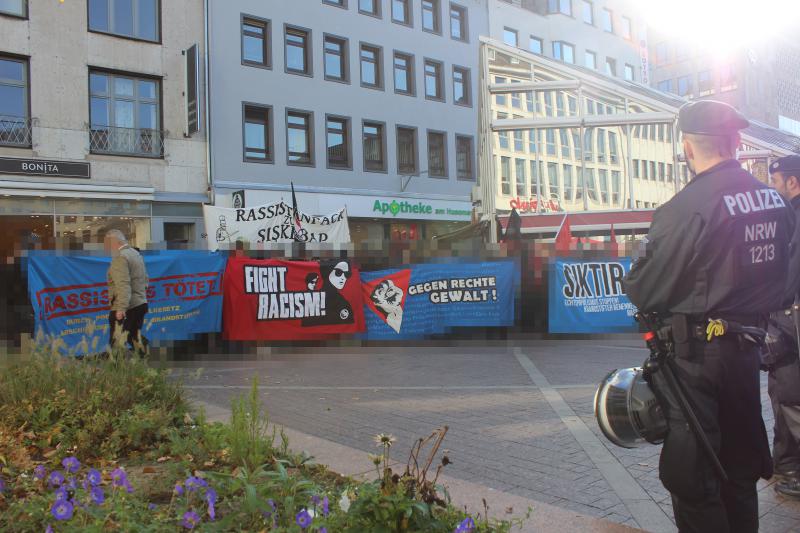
(110, 445)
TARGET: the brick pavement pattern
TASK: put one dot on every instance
(503, 433)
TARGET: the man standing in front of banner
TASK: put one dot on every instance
(127, 293)
(718, 250)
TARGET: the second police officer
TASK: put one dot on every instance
(782, 359)
(719, 249)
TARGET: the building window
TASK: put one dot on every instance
(535, 45)
(590, 60)
(459, 30)
(17, 8)
(665, 86)
(401, 12)
(136, 19)
(661, 175)
(612, 147)
(588, 12)
(652, 170)
(15, 124)
(437, 154)
(464, 158)
(684, 85)
(564, 51)
(669, 171)
(505, 175)
(431, 16)
(258, 133)
(603, 185)
(520, 167)
(601, 146)
(563, 136)
(370, 7)
(510, 37)
(548, 104)
(298, 50)
(588, 145)
(611, 66)
(337, 3)
(576, 144)
(629, 75)
(502, 136)
(552, 178)
(627, 32)
(516, 99)
(255, 42)
(336, 59)
(727, 78)
(374, 147)
(299, 138)
(705, 83)
(407, 161)
(532, 142)
(500, 99)
(607, 20)
(616, 182)
(550, 141)
(519, 139)
(434, 86)
(337, 133)
(404, 74)
(535, 173)
(559, 6)
(462, 86)
(125, 115)
(371, 67)
(662, 53)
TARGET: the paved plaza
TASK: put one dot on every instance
(519, 416)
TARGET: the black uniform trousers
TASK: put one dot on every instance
(131, 327)
(784, 393)
(721, 379)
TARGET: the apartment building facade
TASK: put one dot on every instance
(367, 104)
(100, 122)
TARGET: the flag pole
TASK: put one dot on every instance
(562, 225)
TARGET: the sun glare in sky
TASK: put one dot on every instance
(722, 26)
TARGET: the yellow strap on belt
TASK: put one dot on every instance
(716, 328)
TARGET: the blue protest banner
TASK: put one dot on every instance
(421, 300)
(588, 297)
(70, 297)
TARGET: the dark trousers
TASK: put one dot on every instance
(131, 328)
(721, 379)
(784, 394)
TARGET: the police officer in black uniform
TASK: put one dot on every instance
(717, 250)
(782, 358)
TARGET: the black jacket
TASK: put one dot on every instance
(719, 247)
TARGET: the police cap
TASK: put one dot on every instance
(789, 165)
(709, 117)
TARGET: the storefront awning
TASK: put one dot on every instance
(75, 190)
(598, 221)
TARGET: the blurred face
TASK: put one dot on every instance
(110, 244)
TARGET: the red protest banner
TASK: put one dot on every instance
(291, 300)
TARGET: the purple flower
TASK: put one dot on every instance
(325, 509)
(119, 477)
(193, 483)
(323, 530)
(211, 496)
(212, 513)
(190, 520)
(62, 510)
(315, 499)
(272, 504)
(2, 485)
(178, 489)
(94, 477)
(98, 497)
(62, 494)
(466, 526)
(71, 483)
(303, 519)
(49, 529)
(39, 472)
(56, 479)
(152, 507)
(71, 464)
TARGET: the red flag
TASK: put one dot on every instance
(564, 235)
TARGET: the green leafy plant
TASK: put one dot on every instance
(251, 442)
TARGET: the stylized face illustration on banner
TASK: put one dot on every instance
(388, 297)
(339, 275)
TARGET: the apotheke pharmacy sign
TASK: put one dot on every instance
(404, 207)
